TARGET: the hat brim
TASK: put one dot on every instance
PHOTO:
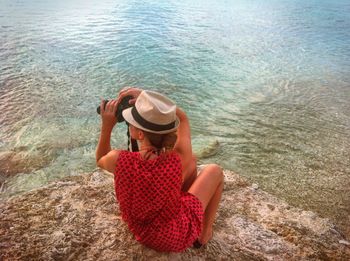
(130, 119)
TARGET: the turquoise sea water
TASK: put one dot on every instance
(266, 85)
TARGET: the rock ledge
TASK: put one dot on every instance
(77, 219)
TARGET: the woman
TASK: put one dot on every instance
(148, 183)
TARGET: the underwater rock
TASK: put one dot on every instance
(5, 159)
(210, 150)
(14, 162)
(77, 218)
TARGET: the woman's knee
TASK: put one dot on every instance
(216, 171)
(206, 185)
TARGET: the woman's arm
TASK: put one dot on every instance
(183, 143)
(105, 157)
(183, 147)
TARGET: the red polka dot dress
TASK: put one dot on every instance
(158, 213)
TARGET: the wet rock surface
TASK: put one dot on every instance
(77, 218)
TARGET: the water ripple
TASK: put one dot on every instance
(266, 85)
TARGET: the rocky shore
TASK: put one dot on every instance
(77, 219)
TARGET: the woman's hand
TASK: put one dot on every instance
(108, 114)
(129, 91)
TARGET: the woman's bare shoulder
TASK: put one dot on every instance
(109, 161)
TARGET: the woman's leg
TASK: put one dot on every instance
(208, 188)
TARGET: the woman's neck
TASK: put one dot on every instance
(145, 145)
(148, 151)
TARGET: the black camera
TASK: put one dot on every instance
(124, 104)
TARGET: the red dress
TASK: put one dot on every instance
(158, 213)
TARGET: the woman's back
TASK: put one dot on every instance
(152, 203)
(144, 187)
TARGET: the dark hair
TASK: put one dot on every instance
(162, 141)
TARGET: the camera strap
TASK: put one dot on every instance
(132, 143)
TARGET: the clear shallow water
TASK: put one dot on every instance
(265, 83)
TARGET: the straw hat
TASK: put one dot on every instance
(152, 112)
